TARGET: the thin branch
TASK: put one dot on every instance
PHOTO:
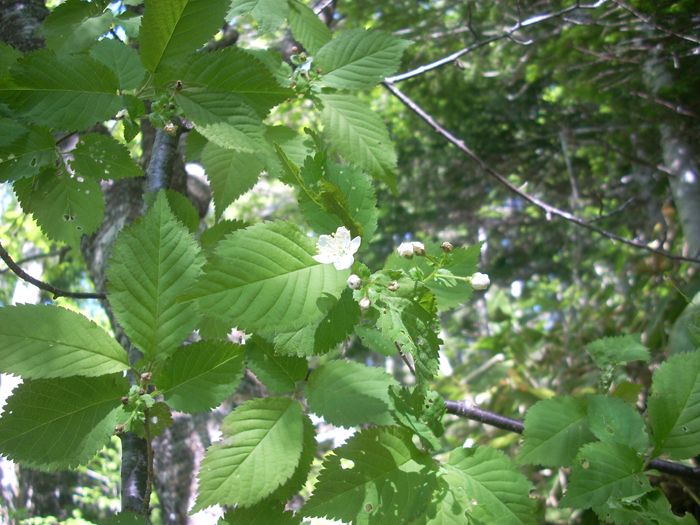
(505, 34)
(677, 108)
(405, 358)
(57, 292)
(60, 253)
(547, 208)
(648, 20)
(613, 212)
(150, 476)
(467, 410)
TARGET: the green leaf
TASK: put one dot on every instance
(195, 146)
(152, 263)
(603, 471)
(269, 14)
(10, 131)
(360, 204)
(616, 351)
(172, 29)
(160, 419)
(8, 56)
(280, 69)
(75, 25)
(234, 71)
(555, 430)
(278, 373)
(101, 157)
(375, 341)
(31, 150)
(658, 509)
(360, 135)
(377, 476)
(308, 454)
(674, 407)
(449, 503)
(615, 421)
(359, 59)
(265, 278)
(67, 92)
(130, 22)
(200, 376)
(260, 450)
(122, 59)
(307, 27)
(65, 206)
(266, 512)
(494, 482)
(231, 173)
(181, 207)
(60, 423)
(211, 237)
(223, 118)
(326, 333)
(429, 426)
(40, 341)
(347, 394)
(294, 145)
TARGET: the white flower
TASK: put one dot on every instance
(418, 248)
(365, 303)
(354, 282)
(480, 281)
(337, 248)
(406, 250)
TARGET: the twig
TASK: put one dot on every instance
(613, 212)
(59, 253)
(648, 20)
(505, 34)
(547, 208)
(677, 108)
(405, 358)
(57, 292)
(149, 465)
(467, 410)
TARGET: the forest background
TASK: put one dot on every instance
(562, 136)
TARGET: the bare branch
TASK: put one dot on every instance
(648, 21)
(60, 253)
(467, 410)
(677, 108)
(547, 208)
(57, 292)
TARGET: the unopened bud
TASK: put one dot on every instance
(354, 282)
(125, 400)
(405, 250)
(418, 248)
(119, 429)
(169, 128)
(480, 281)
(141, 391)
(295, 50)
(393, 286)
(146, 376)
(447, 247)
(365, 303)
(319, 70)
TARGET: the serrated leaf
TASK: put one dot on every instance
(603, 471)
(261, 448)
(449, 502)
(555, 430)
(40, 341)
(280, 69)
(359, 59)
(265, 278)
(269, 14)
(10, 131)
(493, 481)
(278, 373)
(200, 376)
(195, 146)
(264, 513)
(130, 23)
(160, 419)
(181, 207)
(29, 152)
(231, 173)
(75, 25)
(429, 426)
(101, 157)
(615, 421)
(674, 407)
(325, 334)
(122, 59)
(152, 263)
(65, 206)
(294, 145)
(66, 92)
(211, 237)
(658, 509)
(171, 29)
(59, 423)
(360, 204)
(8, 56)
(223, 118)
(308, 453)
(616, 351)
(376, 476)
(307, 27)
(375, 341)
(234, 71)
(360, 135)
(347, 394)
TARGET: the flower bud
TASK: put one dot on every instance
(393, 286)
(418, 248)
(447, 247)
(480, 281)
(141, 391)
(125, 400)
(119, 429)
(295, 50)
(146, 376)
(406, 250)
(169, 128)
(354, 282)
(365, 303)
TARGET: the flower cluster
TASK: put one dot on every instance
(337, 248)
(408, 249)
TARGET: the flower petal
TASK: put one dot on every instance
(344, 262)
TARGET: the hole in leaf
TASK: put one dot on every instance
(346, 463)
(368, 507)
(585, 463)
